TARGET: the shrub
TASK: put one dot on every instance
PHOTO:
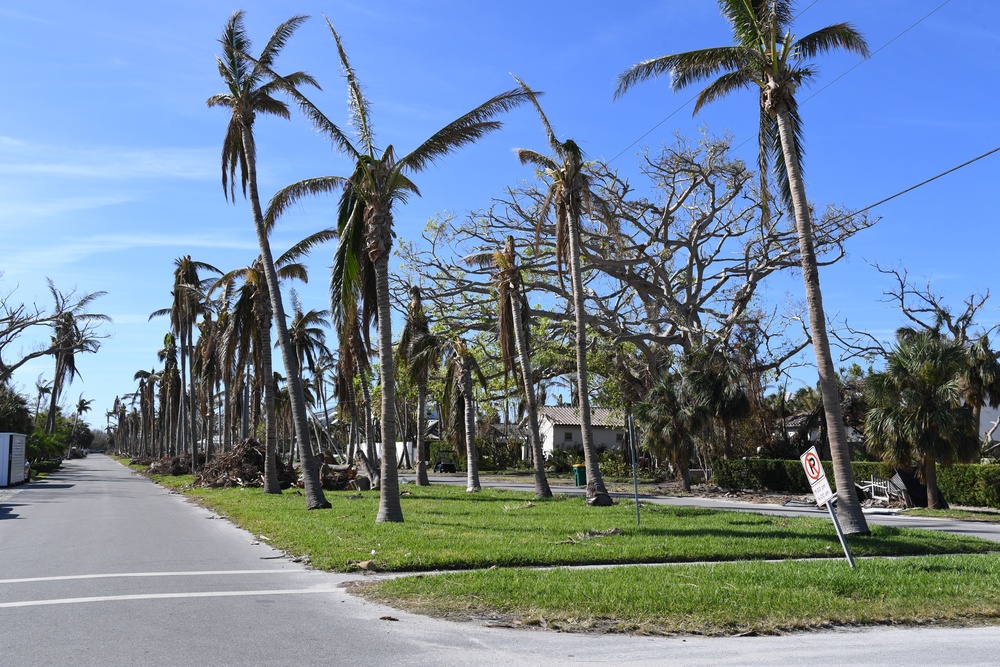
(975, 485)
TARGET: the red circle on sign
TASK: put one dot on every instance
(814, 470)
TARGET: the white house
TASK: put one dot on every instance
(559, 428)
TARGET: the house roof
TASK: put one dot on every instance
(570, 416)
(509, 431)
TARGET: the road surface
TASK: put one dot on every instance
(99, 566)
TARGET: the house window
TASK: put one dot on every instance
(568, 436)
(619, 437)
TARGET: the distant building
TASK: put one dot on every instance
(559, 428)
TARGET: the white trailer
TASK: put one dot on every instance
(12, 458)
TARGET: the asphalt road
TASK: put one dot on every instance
(98, 566)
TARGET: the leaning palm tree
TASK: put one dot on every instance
(365, 221)
(570, 197)
(768, 57)
(512, 331)
(252, 86)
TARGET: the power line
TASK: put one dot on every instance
(925, 182)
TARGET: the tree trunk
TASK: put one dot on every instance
(472, 465)
(597, 494)
(930, 480)
(542, 489)
(422, 454)
(389, 509)
(271, 484)
(852, 518)
(310, 465)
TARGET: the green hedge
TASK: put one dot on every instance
(973, 485)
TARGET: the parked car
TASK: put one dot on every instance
(444, 465)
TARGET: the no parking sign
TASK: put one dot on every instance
(817, 477)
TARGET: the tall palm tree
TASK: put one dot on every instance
(512, 331)
(415, 327)
(570, 197)
(365, 220)
(768, 57)
(252, 87)
(186, 307)
(917, 407)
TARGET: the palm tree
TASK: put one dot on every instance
(917, 407)
(569, 194)
(365, 221)
(672, 414)
(769, 57)
(722, 384)
(68, 338)
(415, 327)
(512, 330)
(252, 85)
(459, 401)
(83, 405)
(44, 388)
(183, 313)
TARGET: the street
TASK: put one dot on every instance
(99, 566)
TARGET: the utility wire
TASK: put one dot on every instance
(925, 182)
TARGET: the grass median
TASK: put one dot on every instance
(503, 555)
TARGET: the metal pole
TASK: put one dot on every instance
(840, 534)
(635, 465)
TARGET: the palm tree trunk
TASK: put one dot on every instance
(193, 397)
(421, 442)
(472, 465)
(597, 494)
(542, 489)
(315, 499)
(270, 418)
(370, 460)
(930, 480)
(389, 509)
(852, 518)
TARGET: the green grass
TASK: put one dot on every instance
(713, 599)
(447, 528)
(961, 515)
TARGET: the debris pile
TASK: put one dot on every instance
(338, 477)
(172, 465)
(242, 466)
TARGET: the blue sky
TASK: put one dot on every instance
(109, 157)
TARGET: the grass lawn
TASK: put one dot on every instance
(447, 528)
(961, 515)
(713, 599)
(685, 570)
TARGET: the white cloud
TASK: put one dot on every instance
(100, 162)
(75, 250)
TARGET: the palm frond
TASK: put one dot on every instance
(463, 130)
(359, 107)
(291, 194)
(550, 135)
(837, 36)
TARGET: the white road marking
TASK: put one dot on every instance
(166, 596)
(117, 575)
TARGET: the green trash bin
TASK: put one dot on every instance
(580, 474)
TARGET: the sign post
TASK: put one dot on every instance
(821, 489)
